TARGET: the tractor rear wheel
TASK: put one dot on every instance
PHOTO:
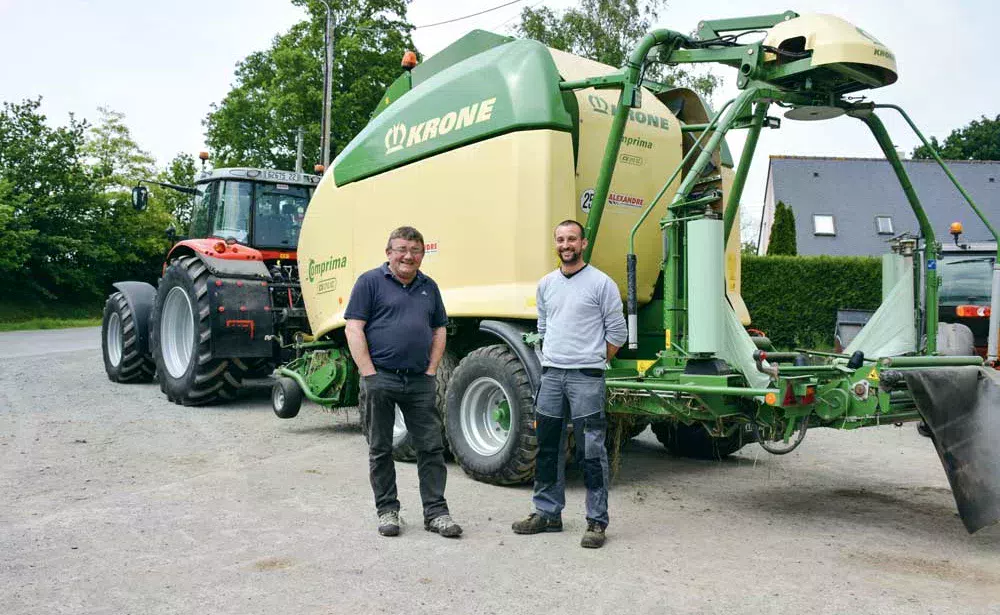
(123, 360)
(695, 442)
(490, 419)
(181, 339)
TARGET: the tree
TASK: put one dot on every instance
(181, 171)
(46, 203)
(607, 31)
(120, 243)
(280, 89)
(782, 240)
(980, 140)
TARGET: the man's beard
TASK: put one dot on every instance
(573, 257)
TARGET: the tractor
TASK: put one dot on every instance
(228, 302)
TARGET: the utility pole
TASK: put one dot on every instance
(299, 138)
(329, 37)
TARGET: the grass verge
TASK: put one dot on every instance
(31, 314)
(49, 323)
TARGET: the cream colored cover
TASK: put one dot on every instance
(833, 41)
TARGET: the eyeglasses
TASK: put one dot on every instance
(412, 251)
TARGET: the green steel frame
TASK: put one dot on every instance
(831, 394)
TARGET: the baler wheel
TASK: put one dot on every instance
(695, 442)
(286, 398)
(123, 361)
(181, 339)
(490, 419)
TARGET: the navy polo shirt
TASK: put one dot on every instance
(399, 320)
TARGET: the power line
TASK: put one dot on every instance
(441, 23)
(511, 18)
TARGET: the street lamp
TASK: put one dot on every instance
(329, 35)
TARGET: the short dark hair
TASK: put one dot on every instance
(583, 233)
(404, 232)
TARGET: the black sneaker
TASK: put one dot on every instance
(388, 523)
(444, 525)
(536, 523)
(594, 537)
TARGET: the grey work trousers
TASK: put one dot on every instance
(414, 394)
(572, 394)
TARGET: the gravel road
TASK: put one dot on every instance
(116, 501)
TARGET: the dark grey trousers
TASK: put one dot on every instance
(414, 394)
(573, 395)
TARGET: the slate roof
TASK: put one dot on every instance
(856, 190)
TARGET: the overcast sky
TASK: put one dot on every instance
(163, 63)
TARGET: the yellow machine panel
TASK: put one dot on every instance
(486, 212)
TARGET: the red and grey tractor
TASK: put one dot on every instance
(228, 300)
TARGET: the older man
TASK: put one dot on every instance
(396, 332)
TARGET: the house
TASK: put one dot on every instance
(853, 206)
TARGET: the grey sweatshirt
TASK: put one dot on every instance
(577, 316)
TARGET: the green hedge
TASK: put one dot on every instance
(794, 299)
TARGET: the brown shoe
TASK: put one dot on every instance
(536, 524)
(594, 537)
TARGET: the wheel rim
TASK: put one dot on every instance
(485, 416)
(177, 332)
(278, 397)
(114, 339)
(398, 426)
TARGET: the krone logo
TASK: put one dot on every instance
(599, 104)
(394, 138)
(401, 136)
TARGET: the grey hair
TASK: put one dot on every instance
(404, 232)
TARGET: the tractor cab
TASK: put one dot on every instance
(966, 272)
(262, 209)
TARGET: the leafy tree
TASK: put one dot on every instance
(607, 31)
(783, 232)
(280, 89)
(980, 140)
(114, 158)
(46, 204)
(180, 171)
(127, 244)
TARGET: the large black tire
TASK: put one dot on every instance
(402, 443)
(258, 368)
(123, 359)
(189, 376)
(694, 441)
(487, 375)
